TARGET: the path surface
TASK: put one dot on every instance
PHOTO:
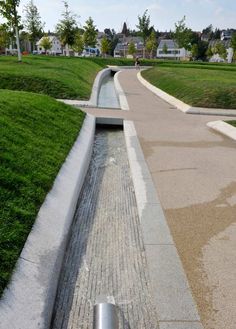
(106, 255)
(193, 169)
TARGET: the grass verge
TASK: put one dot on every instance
(37, 134)
(212, 88)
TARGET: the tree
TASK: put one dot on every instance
(78, 45)
(4, 36)
(112, 38)
(125, 30)
(9, 10)
(144, 28)
(208, 32)
(46, 43)
(209, 52)
(151, 44)
(67, 28)
(105, 46)
(233, 44)
(33, 23)
(220, 49)
(194, 51)
(182, 34)
(165, 49)
(132, 49)
(90, 34)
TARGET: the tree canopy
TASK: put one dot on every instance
(67, 27)
(32, 22)
(9, 10)
(46, 43)
(90, 33)
(183, 34)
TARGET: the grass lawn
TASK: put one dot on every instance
(37, 134)
(59, 77)
(200, 85)
(232, 123)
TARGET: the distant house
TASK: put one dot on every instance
(122, 47)
(169, 49)
(229, 49)
(56, 46)
(226, 35)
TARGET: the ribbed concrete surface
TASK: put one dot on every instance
(106, 256)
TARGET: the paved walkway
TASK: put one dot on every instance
(193, 169)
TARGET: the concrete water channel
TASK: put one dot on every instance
(105, 257)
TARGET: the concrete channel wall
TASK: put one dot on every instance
(28, 300)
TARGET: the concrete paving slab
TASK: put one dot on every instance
(171, 291)
(180, 325)
(154, 227)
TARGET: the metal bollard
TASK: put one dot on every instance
(105, 316)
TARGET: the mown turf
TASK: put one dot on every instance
(36, 135)
(209, 87)
(59, 77)
(232, 123)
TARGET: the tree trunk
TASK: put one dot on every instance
(18, 44)
(67, 50)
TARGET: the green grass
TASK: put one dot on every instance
(59, 77)
(232, 123)
(37, 134)
(203, 86)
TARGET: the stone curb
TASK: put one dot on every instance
(183, 106)
(121, 95)
(171, 292)
(224, 128)
(93, 101)
(29, 298)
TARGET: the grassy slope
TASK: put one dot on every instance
(37, 133)
(203, 86)
(233, 123)
(59, 77)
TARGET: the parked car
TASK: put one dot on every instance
(90, 52)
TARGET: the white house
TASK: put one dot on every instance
(56, 46)
(229, 49)
(168, 48)
(216, 57)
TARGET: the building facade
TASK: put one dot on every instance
(169, 49)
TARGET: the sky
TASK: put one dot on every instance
(163, 13)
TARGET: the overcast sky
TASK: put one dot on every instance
(163, 13)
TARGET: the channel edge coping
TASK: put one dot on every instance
(224, 128)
